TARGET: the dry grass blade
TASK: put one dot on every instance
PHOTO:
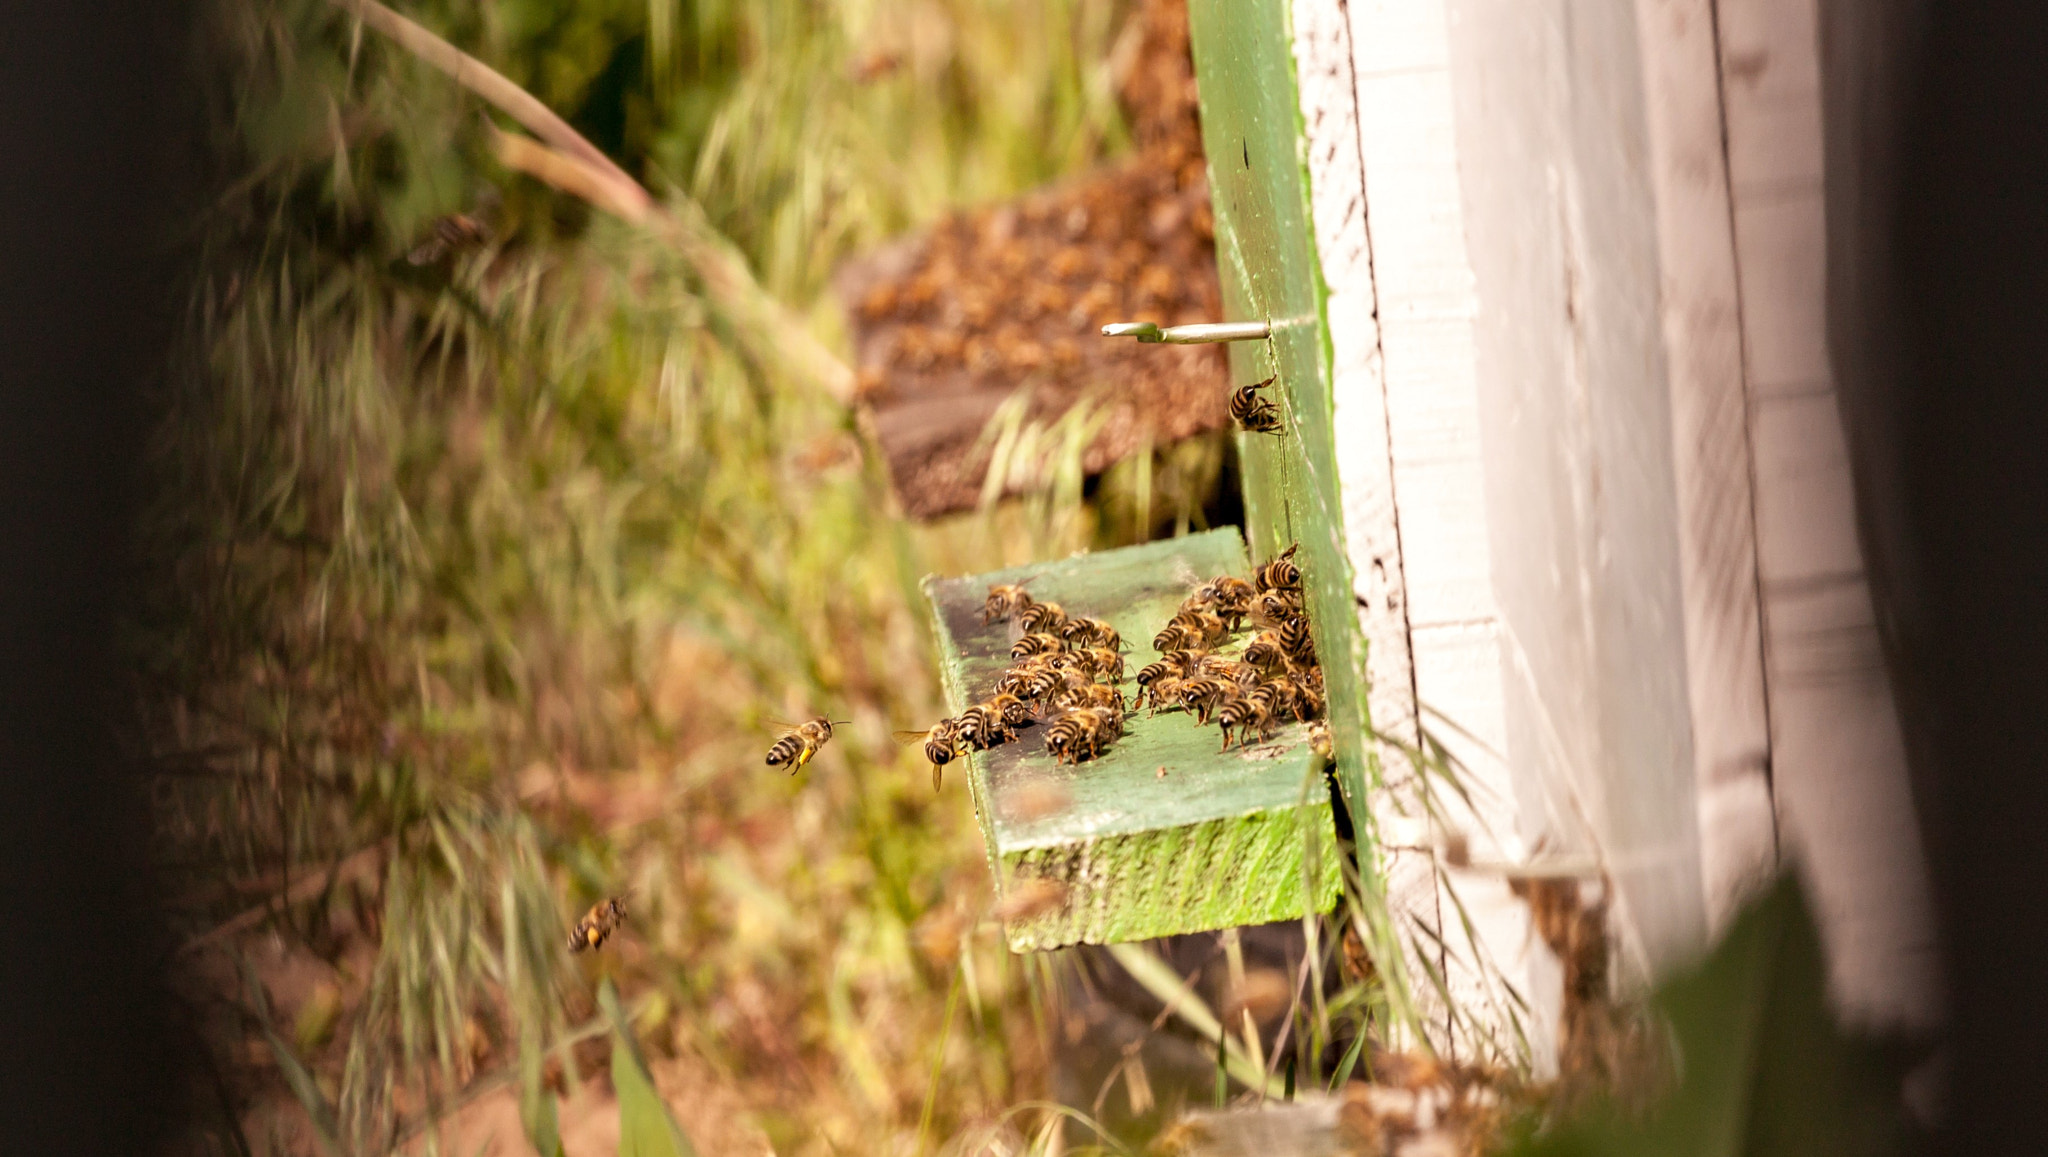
(1182, 1001)
(571, 163)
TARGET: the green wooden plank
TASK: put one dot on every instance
(1265, 250)
(1222, 839)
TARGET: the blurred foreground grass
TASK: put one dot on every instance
(484, 565)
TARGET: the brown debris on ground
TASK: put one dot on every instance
(1416, 1106)
(950, 324)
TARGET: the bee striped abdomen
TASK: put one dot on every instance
(1251, 412)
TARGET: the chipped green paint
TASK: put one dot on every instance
(1265, 250)
(1221, 839)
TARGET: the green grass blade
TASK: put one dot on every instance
(645, 1127)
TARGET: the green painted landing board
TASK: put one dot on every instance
(1266, 254)
(1222, 839)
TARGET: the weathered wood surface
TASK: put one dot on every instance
(1265, 249)
(1219, 839)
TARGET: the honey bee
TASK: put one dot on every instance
(981, 727)
(1280, 574)
(1201, 694)
(1245, 712)
(1265, 651)
(597, 925)
(1045, 618)
(802, 742)
(455, 233)
(1157, 677)
(1230, 598)
(1083, 733)
(1004, 601)
(1104, 663)
(1189, 630)
(941, 745)
(1294, 638)
(1091, 695)
(1036, 644)
(1275, 607)
(1033, 682)
(1014, 710)
(1284, 694)
(1230, 670)
(1253, 414)
(1164, 693)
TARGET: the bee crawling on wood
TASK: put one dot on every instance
(1004, 602)
(597, 925)
(1087, 632)
(982, 726)
(1037, 644)
(1226, 597)
(1246, 713)
(1281, 574)
(1083, 733)
(1045, 618)
(1252, 413)
(802, 742)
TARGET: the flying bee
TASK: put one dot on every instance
(1003, 602)
(941, 745)
(455, 233)
(1036, 644)
(597, 925)
(802, 742)
(1043, 617)
(1280, 574)
(1252, 413)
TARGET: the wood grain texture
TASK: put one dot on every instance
(1220, 839)
(1265, 242)
(1365, 474)
(1710, 438)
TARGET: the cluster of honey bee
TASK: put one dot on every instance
(1064, 673)
(1274, 679)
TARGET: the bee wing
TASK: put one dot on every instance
(938, 775)
(909, 736)
(782, 725)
